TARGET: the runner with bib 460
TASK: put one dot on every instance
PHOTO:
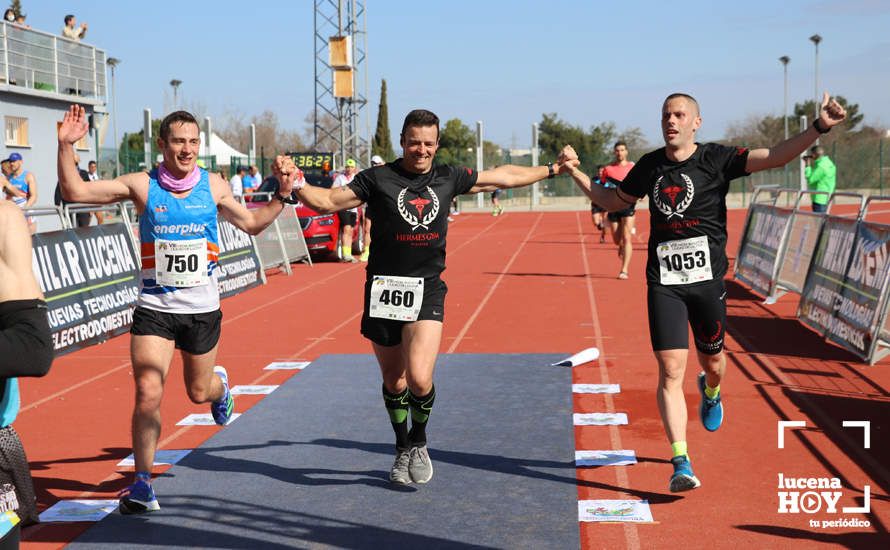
(404, 300)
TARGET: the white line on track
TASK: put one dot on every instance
(631, 535)
(494, 286)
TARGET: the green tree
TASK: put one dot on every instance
(593, 146)
(382, 142)
(16, 6)
(131, 150)
(456, 142)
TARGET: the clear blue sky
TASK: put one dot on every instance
(502, 62)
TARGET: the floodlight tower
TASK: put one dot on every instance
(341, 121)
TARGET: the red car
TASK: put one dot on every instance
(322, 231)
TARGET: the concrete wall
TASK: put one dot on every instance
(39, 157)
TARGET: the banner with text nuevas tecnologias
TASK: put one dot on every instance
(90, 280)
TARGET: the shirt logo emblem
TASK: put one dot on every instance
(671, 191)
(420, 205)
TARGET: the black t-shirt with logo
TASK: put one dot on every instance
(687, 199)
(410, 216)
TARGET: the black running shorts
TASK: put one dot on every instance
(628, 212)
(596, 209)
(386, 332)
(195, 333)
(347, 218)
(701, 306)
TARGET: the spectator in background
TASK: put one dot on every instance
(25, 182)
(9, 15)
(9, 189)
(376, 160)
(71, 30)
(81, 219)
(349, 216)
(249, 181)
(821, 175)
(93, 175)
(20, 22)
(236, 184)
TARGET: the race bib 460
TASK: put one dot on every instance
(396, 298)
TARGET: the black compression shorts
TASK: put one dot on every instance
(596, 209)
(386, 332)
(195, 333)
(701, 306)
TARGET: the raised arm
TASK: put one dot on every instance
(831, 114)
(611, 199)
(323, 201)
(74, 189)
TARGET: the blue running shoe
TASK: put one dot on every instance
(222, 410)
(683, 479)
(710, 410)
(138, 498)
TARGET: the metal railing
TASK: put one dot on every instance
(40, 61)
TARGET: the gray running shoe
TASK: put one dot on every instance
(420, 466)
(399, 473)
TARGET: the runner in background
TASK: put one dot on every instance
(621, 222)
(597, 213)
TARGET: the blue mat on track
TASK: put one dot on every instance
(308, 467)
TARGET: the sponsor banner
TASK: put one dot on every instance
(758, 257)
(799, 249)
(821, 295)
(239, 267)
(858, 309)
(89, 277)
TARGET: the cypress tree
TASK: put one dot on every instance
(382, 142)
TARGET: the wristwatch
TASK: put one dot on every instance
(550, 171)
(284, 200)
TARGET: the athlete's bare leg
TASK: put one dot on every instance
(412, 362)
(201, 384)
(671, 400)
(151, 357)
